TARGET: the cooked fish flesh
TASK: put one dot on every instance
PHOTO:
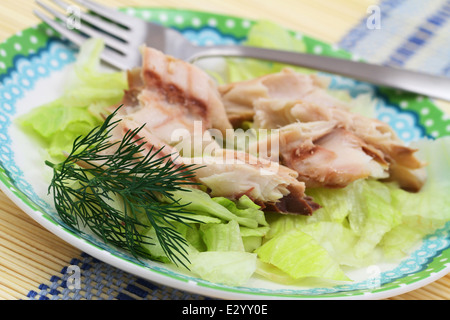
(277, 100)
(169, 94)
(166, 95)
(231, 174)
(239, 97)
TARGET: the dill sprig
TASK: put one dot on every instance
(111, 192)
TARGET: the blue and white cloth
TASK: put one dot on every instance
(412, 34)
(101, 281)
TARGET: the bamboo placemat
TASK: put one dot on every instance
(33, 261)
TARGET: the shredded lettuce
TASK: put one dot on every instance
(336, 204)
(429, 209)
(373, 215)
(57, 127)
(300, 256)
(219, 248)
(244, 207)
(371, 221)
(339, 241)
(197, 201)
(88, 91)
(221, 244)
(230, 267)
(222, 237)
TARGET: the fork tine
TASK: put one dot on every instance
(99, 23)
(109, 13)
(72, 36)
(107, 54)
(109, 41)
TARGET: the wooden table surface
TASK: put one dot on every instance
(42, 254)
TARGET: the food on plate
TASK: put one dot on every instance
(166, 95)
(275, 188)
(96, 186)
(340, 191)
(286, 98)
(86, 92)
(240, 97)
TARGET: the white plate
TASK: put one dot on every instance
(32, 71)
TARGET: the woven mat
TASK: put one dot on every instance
(412, 34)
(102, 281)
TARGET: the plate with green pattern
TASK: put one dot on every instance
(33, 63)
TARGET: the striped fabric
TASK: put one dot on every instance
(100, 281)
(413, 34)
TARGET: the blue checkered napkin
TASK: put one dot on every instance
(101, 281)
(412, 34)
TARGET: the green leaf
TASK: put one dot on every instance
(222, 237)
(81, 107)
(300, 255)
(201, 203)
(230, 268)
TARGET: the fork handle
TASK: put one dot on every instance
(422, 83)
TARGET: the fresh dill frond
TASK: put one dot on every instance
(117, 194)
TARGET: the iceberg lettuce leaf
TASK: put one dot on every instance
(231, 268)
(243, 207)
(339, 241)
(373, 215)
(222, 237)
(200, 202)
(429, 209)
(300, 256)
(336, 204)
(89, 90)
(57, 126)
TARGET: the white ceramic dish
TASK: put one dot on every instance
(32, 69)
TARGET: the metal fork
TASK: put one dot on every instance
(123, 34)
